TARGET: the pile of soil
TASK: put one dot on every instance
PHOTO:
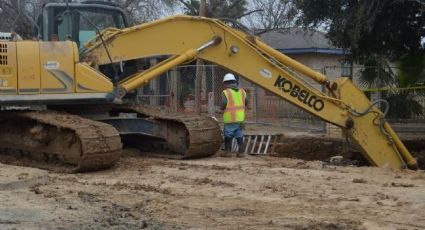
(317, 148)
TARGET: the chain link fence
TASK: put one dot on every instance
(176, 90)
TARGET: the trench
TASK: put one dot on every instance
(311, 148)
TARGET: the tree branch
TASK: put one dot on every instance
(234, 4)
(190, 7)
(127, 3)
(248, 13)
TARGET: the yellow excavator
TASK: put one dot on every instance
(66, 97)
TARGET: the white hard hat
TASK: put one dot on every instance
(229, 77)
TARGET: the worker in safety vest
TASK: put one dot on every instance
(233, 103)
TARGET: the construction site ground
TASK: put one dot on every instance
(255, 192)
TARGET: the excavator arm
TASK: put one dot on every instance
(186, 38)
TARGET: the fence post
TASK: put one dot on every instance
(204, 93)
(324, 124)
(255, 103)
(175, 94)
(211, 105)
(154, 86)
(198, 83)
(213, 83)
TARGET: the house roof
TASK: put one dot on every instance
(298, 40)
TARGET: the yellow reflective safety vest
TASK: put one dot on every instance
(235, 108)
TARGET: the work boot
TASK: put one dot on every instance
(241, 151)
(240, 154)
(225, 153)
(227, 148)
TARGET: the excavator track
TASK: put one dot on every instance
(189, 136)
(58, 141)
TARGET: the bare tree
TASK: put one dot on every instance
(199, 66)
(233, 9)
(147, 10)
(19, 15)
(271, 14)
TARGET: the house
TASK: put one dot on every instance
(310, 47)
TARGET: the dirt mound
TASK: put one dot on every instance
(417, 148)
(328, 225)
(313, 148)
(317, 148)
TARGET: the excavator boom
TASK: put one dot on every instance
(180, 36)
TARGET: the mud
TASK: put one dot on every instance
(417, 147)
(12, 178)
(314, 148)
(322, 148)
(216, 193)
(58, 141)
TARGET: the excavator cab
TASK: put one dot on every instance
(78, 22)
(81, 21)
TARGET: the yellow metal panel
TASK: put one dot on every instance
(29, 67)
(8, 68)
(57, 67)
(90, 81)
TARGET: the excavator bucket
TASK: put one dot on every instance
(367, 127)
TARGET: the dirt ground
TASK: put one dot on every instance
(143, 192)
